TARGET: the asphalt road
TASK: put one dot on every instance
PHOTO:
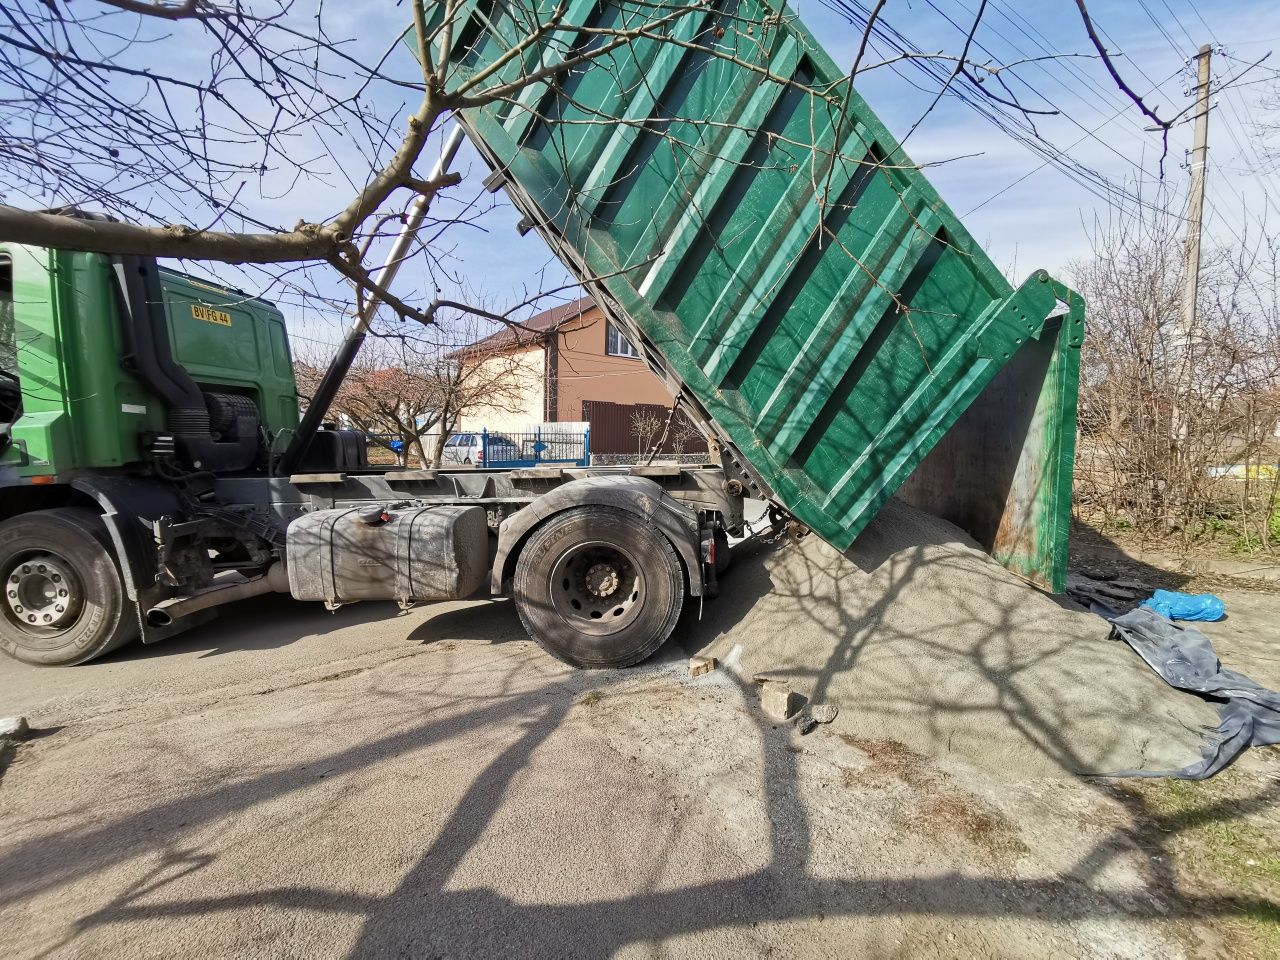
(290, 783)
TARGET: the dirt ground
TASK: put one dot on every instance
(289, 783)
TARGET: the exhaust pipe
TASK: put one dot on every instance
(275, 580)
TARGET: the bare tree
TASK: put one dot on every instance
(179, 141)
(1177, 425)
(405, 388)
(388, 396)
(645, 427)
(683, 433)
(1267, 128)
(194, 122)
(474, 382)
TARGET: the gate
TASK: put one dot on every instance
(536, 447)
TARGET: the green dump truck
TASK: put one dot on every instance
(153, 464)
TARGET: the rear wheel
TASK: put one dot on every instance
(599, 587)
(64, 602)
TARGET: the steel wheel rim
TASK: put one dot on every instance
(43, 595)
(597, 588)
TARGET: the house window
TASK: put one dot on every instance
(616, 343)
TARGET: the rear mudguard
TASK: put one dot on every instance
(638, 495)
(129, 505)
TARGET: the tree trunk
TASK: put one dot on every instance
(437, 448)
(421, 453)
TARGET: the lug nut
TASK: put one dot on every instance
(62, 593)
(59, 608)
(40, 567)
(13, 594)
(26, 568)
(57, 578)
(47, 618)
(17, 608)
(32, 618)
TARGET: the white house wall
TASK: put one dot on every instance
(515, 413)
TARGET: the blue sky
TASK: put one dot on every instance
(1027, 214)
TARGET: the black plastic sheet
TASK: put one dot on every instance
(1248, 713)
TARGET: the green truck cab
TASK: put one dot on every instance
(65, 361)
(89, 386)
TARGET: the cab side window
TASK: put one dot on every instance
(8, 340)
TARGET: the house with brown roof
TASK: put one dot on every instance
(570, 357)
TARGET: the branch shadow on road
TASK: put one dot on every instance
(429, 913)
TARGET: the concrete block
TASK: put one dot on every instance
(700, 665)
(778, 700)
(824, 712)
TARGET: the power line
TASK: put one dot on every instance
(1029, 173)
(1040, 43)
(1063, 112)
(1178, 20)
(1226, 99)
(885, 36)
(1013, 124)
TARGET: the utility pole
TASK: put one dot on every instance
(1195, 220)
(1195, 201)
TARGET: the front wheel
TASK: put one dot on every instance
(64, 602)
(599, 587)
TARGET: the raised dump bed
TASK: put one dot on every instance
(798, 282)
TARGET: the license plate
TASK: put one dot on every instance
(209, 315)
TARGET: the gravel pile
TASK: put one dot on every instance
(920, 637)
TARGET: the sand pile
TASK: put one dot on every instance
(920, 637)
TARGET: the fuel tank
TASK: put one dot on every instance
(382, 553)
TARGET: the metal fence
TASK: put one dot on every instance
(536, 447)
(501, 448)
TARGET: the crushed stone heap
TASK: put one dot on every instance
(920, 637)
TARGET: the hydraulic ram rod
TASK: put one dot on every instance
(340, 366)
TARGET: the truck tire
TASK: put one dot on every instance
(599, 587)
(64, 602)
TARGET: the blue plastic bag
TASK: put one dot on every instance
(1184, 606)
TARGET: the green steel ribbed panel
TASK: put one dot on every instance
(831, 345)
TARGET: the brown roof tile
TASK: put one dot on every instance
(532, 330)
